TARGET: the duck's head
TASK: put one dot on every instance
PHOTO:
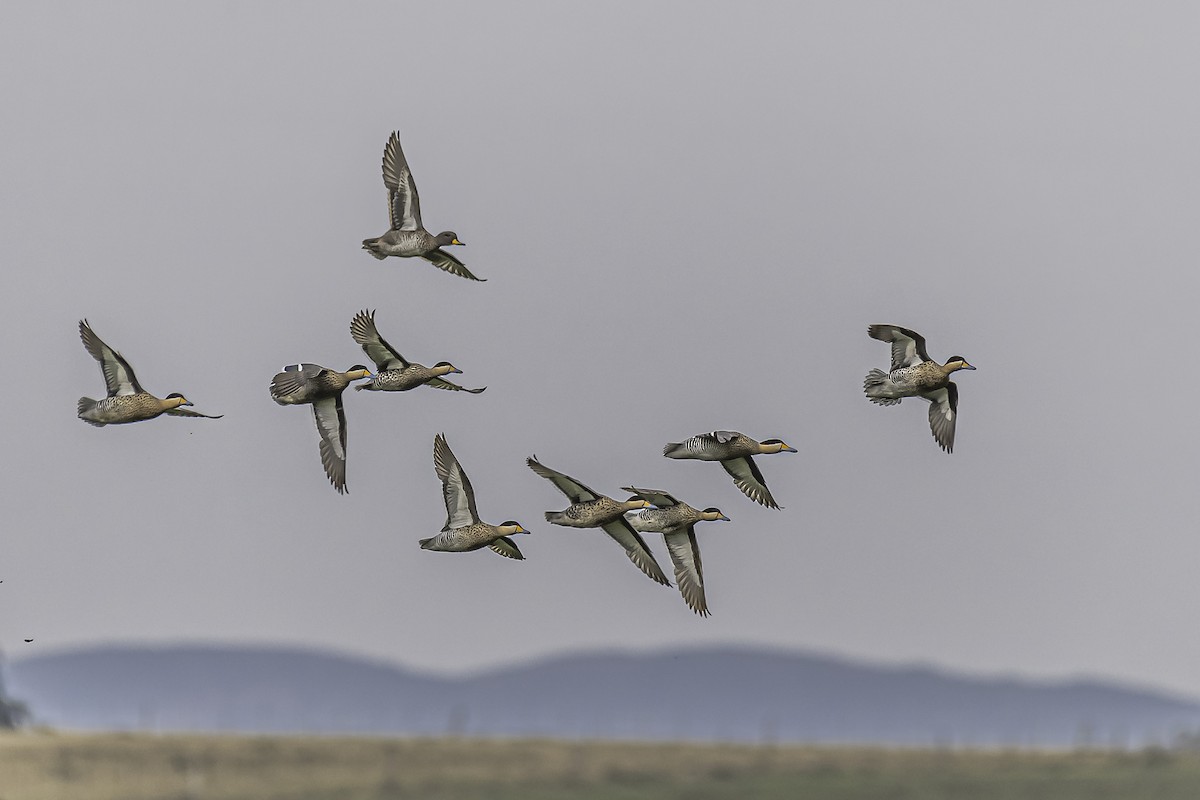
(713, 514)
(356, 372)
(774, 446)
(636, 502)
(179, 400)
(954, 363)
(447, 238)
(445, 368)
(509, 527)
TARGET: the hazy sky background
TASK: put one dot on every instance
(687, 216)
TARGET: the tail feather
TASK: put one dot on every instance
(85, 405)
(368, 245)
(554, 516)
(673, 449)
(872, 385)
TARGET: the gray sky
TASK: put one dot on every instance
(687, 217)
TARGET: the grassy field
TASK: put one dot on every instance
(48, 766)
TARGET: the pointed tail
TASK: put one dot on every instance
(875, 387)
(84, 407)
(675, 450)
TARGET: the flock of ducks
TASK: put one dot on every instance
(912, 374)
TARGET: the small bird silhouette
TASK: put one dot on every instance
(28, 640)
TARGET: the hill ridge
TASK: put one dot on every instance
(712, 692)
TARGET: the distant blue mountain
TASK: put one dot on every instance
(711, 694)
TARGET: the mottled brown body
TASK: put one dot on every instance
(125, 408)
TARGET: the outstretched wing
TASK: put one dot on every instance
(636, 549)
(908, 347)
(118, 375)
(456, 487)
(331, 424)
(403, 203)
(689, 573)
(655, 497)
(575, 491)
(442, 383)
(443, 260)
(749, 480)
(507, 548)
(187, 412)
(943, 413)
(363, 329)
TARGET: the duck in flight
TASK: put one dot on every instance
(407, 236)
(321, 387)
(393, 373)
(915, 374)
(590, 509)
(127, 401)
(676, 521)
(464, 531)
(735, 451)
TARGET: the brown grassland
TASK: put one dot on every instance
(55, 766)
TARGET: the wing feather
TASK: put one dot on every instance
(363, 329)
(187, 412)
(404, 205)
(943, 414)
(456, 486)
(655, 497)
(443, 260)
(749, 480)
(442, 383)
(908, 346)
(575, 491)
(331, 424)
(118, 375)
(635, 547)
(689, 573)
(507, 548)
